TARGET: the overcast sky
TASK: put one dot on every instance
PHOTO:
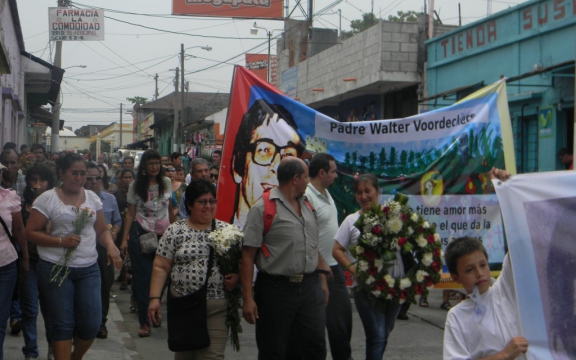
(125, 63)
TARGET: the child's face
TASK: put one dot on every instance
(473, 270)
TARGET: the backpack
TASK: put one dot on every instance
(269, 215)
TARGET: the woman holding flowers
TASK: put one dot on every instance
(378, 322)
(150, 204)
(184, 255)
(68, 273)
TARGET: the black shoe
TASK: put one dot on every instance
(402, 316)
(16, 327)
(123, 287)
(102, 333)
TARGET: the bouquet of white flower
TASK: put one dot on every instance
(226, 242)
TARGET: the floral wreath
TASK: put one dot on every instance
(385, 230)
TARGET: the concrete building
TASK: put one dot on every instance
(26, 81)
(376, 74)
(156, 119)
(533, 45)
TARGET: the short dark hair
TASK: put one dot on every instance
(197, 188)
(179, 168)
(564, 151)
(43, 171)
(6, 152)
(215, 167)
(64, 162)
(461, 247)
(123, 171)
(366, 178)
(320, 161)
(175, 155)
(23, 146)
(91, 165)
(217, 151)
(128, 158)
(34, 147)
(10, 145)
(253, 119)
(288, 169)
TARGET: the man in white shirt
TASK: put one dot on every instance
(322, 172)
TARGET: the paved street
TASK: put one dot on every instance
(418, 338)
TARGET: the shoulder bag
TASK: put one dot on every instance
(187, 316)
(149, 240)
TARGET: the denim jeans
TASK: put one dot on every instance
(339, 316)
(378, 323)
(106, 278)
(290, 311)
(7, 283)
(75, 304)
(141, 273)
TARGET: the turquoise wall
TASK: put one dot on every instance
(532, 35)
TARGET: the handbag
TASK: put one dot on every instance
(148, 240)
(188, 318)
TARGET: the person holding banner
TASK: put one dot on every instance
(266, 135)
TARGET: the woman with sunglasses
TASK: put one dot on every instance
(184, 255)
(150, 204)
(214, 173)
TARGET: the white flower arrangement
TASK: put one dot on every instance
(427, 259)
(405, 283)
(420, 275)
(421, 241)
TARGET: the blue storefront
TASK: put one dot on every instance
(534, 46)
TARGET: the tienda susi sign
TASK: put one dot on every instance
(67, 24)
(251, 9)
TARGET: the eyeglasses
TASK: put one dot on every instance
(212, 202)
(264, 151)
(171, 170)
(92, 178)
(213, 176)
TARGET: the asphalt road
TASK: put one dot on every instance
(420, 337)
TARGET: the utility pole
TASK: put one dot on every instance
(119, 146)
(156, 91)
(175, 126)
(431, 20)
(56, 107)
(183, 104)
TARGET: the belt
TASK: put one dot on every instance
(298, 278)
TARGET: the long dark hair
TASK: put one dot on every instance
(105, 181)
(44, 172)
(141, 183)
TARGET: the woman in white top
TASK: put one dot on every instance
(73, 297)
(377, 323)
(150, 204)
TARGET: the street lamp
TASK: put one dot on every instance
(73, 66)
(254, 31)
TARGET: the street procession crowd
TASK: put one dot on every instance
(66, 228)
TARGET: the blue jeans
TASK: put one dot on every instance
(339, 316)
(7, 282)
(291, 318)
(74, 305)
(378, 323)
(141, 273)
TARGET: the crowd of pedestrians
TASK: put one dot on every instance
(66, 227)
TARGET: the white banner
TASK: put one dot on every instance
(68, 24)
(539, 212)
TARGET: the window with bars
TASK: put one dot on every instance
(526, 143)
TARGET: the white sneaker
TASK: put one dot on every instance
(50, 355)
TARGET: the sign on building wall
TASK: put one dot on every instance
(546, 120)
(290, 82)
(252, 9)
(76, 24)
(258, 64)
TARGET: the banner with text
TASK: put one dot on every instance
(249, 9)
(539, 211)
(258, 64)
(76, 24)
(441, 159)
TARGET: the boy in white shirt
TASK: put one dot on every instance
(486, 325)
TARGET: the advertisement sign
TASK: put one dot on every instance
(546, 121)
(538, 210)
(250, 9)
(67, 24)
(258, 64)
(440, 159)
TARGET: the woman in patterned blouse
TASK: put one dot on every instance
(183, 254)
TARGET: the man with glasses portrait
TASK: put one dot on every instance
(266, 135)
